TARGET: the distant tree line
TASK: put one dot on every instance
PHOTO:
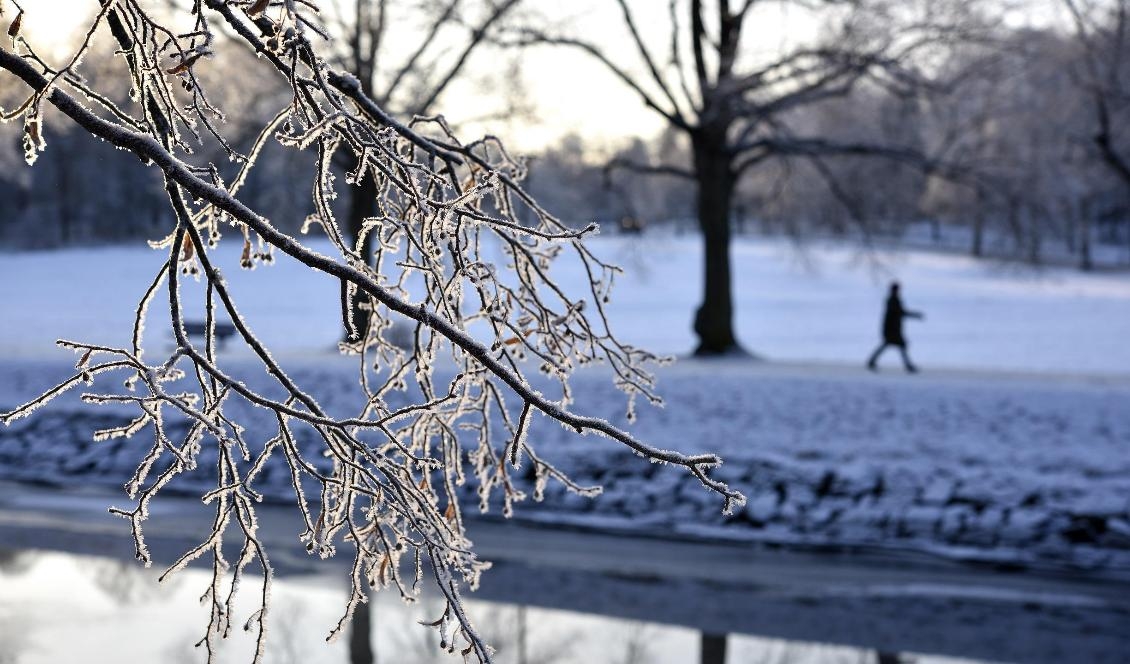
(79, 194)
(1022, 147)
(1018, 168)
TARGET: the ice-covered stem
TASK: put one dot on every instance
(391, 467)
(450, 153)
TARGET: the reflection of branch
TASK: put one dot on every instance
(813, 148)
(286, 646)
(636, 640)
(126, 584)
(512, 628)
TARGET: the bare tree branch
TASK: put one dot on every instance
(648, 60)
(623, 163)
(530, 37)
(387, 483)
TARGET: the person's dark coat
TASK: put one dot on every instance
(892, 321)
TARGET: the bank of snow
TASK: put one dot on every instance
(1020, 470)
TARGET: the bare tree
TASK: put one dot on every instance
(1101, 32)
(1020, 131)
(405, 54)
(58, 203)
(733, 105)
(388, 490)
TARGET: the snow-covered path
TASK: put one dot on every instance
(1028, 471)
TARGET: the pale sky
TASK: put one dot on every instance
(570, 91)
(574, 93)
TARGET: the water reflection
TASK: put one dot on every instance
(13, 626)
(58, 607)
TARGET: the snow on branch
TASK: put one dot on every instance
(453, 406)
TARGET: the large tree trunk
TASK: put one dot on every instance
(362, 204)
(1085, 262)
(360, 634)
(65, 198)
(713, 649)
(978, 248)
(713, 322)
(523, 634)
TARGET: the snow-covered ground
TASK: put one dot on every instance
(1014, 444)
(819, 304)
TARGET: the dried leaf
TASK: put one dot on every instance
(511, 341)
(382, 570)
(259, 7)
(14, 28)
(185, 64)
(187, 253)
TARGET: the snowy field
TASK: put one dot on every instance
(820, 304)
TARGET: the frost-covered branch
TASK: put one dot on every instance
(454, 407)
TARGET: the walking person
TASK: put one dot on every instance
(892, 329)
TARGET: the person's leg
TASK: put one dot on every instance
(875, 356)
(906, 359)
